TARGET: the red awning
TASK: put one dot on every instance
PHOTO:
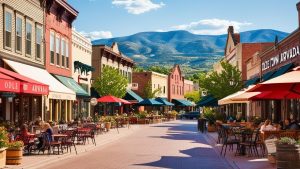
(22, 83)
(8, 84)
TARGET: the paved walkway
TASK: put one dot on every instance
(175, 145)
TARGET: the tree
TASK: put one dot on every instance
(193, 96)
(222, 84)
(111, 82)
(138, 69)
(148, 93)
(159, 69)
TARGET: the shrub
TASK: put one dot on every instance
(15, 145)
(210, 116)
(286, 140)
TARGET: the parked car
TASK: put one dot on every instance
(190, 115)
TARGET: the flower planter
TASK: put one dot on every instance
(211, 128)
(141, 121)
(2, 157)
(288, 156)
(107, 125)
(14, 156)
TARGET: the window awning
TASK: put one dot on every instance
(22, 84)
(56, 89)
(251, 81)
(181, 102)
(132, 96)
(267, 76)
(208, 101)
(282, 70)
(71, 84)
(164, 101)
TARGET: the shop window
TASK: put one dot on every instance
(19, 34)
(38, 41)
(57, 43)
(67, 54)
(8, 29)
(28, 38)
(63, 46)
(52, 47)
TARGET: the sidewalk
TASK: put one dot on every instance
(36, 161)
(239, 162)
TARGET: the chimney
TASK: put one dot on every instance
(230, 30)
(298, 9)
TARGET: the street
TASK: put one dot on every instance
(175, 145)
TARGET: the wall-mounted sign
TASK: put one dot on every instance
(280, 58)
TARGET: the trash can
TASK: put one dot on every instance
(202, 124)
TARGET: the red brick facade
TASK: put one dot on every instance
(59, 18)
(176, 84)
(142, 79)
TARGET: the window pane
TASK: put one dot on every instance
(57, 51)
(8, 18)
(67, 54)
(38, 36)
(18, 34)
(28, 38)
(63, 45)
(52, 47)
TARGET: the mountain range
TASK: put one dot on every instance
(191, 51)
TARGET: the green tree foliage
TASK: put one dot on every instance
(159, 69)
(193, 96)
(148, 93)
(222, 84)
(138, 69)
(111, 82)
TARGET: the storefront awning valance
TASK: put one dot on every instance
(164, 101)
(82, 68)
(251, 81)
(26, 85)
(282, 70)
(267, 76)
(9, 84)
(181, 102)
(56, 89)
(71, 84)
(132, 96)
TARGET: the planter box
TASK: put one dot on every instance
(288, 156)
(2, 157)
(14, 156)
(107, 125)
(141, 121)
(211, 128)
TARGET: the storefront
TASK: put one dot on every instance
(57, 106)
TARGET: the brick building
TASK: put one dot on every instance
(188, 86)
(154, 79)
(176, 84)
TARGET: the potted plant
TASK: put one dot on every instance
(209, 115)
(287, 153)
(108, 122)
(3, 146)
(14, 153)
(142, 117)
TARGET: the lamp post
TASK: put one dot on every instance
(94, 102)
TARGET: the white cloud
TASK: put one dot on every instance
(97, 35)
(211, 26)
(138, 6)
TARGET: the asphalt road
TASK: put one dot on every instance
(175, 145)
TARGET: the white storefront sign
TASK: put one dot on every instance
(282, 57)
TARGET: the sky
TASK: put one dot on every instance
(115, 18)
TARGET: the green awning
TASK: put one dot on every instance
(73, 85)
(267, 76)
(164, 101)
(181, 102)
(208, 101)
(282, 70)
(251, 81)
(130, 95)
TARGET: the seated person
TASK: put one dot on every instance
(55, 128)
(284, 125)
(47, 128)
(294, 125)
(24, 130)
(267, 126)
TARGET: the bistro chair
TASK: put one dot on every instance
(249, 142)
(70, 140)
(49, 145)
(229, 139)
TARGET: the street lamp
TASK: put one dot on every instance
(94, 102)
(231, 82)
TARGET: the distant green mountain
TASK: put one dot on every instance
(192, 51)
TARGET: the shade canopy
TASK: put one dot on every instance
(164, 101)
(182, 102)
(242, 96)
(208, 101)
(110, 99)
(132, 96)
(73, 85)
(125, 101)
(150, 102)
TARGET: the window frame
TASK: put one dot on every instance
(39, 27)
(11, 28)
(27, 21)
(57, 50)
(16, 34)
(63, 51)
(54, 46)
(67, 61)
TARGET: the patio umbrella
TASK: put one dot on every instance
(110, 99)
(149, 102)
(125, 101)
(164, 101)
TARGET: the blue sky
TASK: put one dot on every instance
(114, 18)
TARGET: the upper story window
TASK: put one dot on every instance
(63, 50)
(19, 34)
(8, 28)
(57, 43)
(38, 42)
(52, 39)
(67, 54)
(28, 37)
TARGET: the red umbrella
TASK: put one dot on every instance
(110, 99)
(125, 101)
